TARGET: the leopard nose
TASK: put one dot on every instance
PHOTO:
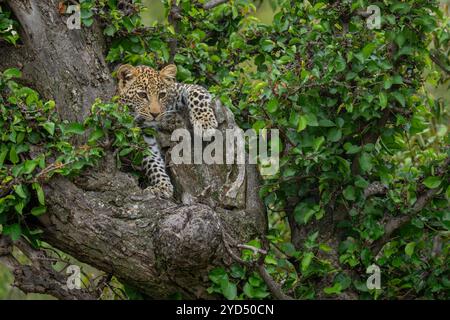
(154, 115)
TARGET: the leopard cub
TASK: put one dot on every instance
(152, 95)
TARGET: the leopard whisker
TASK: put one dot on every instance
(164, 113)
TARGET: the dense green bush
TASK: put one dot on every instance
(351, 105)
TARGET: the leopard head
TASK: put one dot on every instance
(147, 91)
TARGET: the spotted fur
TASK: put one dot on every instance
(153, 95)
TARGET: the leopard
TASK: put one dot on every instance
(152, 95)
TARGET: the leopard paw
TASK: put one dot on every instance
(162, 190)
(170, 122)
(205, 123)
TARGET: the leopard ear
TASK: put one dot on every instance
(169, 72)
(126, 72)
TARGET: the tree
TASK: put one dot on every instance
(364, 149)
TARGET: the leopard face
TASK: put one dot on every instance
(147, 91)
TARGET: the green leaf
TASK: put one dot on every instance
(335, 289)
(349, 193)
(109, 30)
(229, 290)
(29, 166)
(351, 149)
(237, 271)
(350, 76)
(311, 119)
(88, 22)
(19, 206)
(294, 117)
(13, 230)
(306, 261)
(383, 100)
(387, 84)
(39, 192)
(95, 135)
(325, 248)
(86, 12)
(50, 104)
(303, 212)
(432, 182)
(17, 170)
(260, 124)
(340, 64)
(400, 98)
(20, 190)
(125, 151)
(326, 123)
(217, 275)
(334, 134)
(12, 73)
(50, 127)
(368, 49)
(254, 293)
(38, 211)
(404, 51)
(13, 157)
(365, 161)
(409, 248)
(3, 153)
(272, 105)
(360, 182)
(267, 45)
(401, 8)
(318, 143)
(302, 123)
(76, 128)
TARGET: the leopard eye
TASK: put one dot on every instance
(162, 94)
(142, 94)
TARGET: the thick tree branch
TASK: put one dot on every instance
(39, 277)
(375, 188)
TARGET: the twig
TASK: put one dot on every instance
(258, 265)
(174, 17)
(274, 287)
(397, 222)
(231, 252)
(213, 3)
(254, 249)
(439, 63)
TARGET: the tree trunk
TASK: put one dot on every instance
(103, 217)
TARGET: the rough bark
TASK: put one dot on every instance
(65, 65)
(103, 217)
